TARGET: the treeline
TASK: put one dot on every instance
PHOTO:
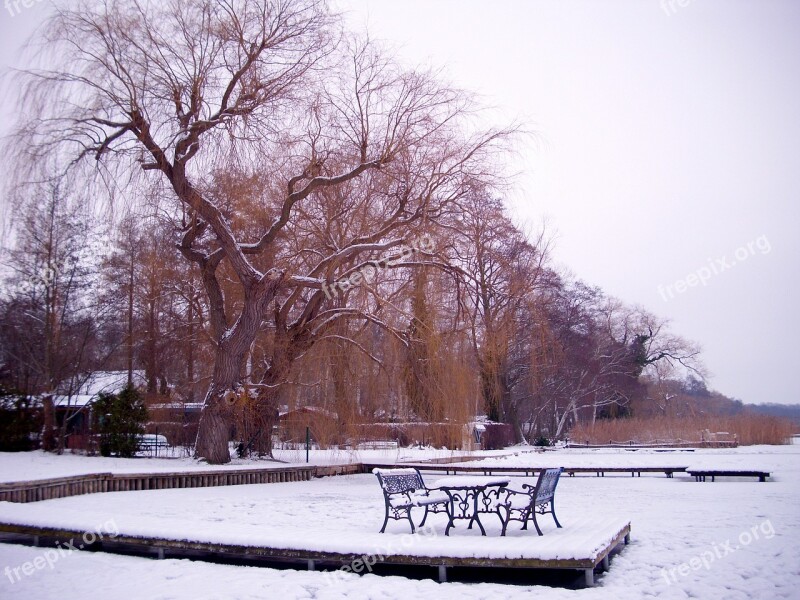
(306, 223)
(784, 411)
(475, 323)
(707, 429)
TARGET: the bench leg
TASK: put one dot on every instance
(450, 520)
(422, 523)
(535, 523)
(553, 511)
(385, 520)
(477, 520)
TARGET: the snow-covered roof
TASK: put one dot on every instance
(76, 401)
(310, 409)
(93, 384)
(178, 405)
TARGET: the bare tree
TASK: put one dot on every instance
(597, 351)
(268, 91)
(49, 316)
(503, 272)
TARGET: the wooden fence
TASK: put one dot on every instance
(62, 487)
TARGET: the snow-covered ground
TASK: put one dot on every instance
(26, 466)
(728, 539)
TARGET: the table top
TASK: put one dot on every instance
(472, 481)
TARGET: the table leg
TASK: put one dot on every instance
(475, 513)
(450, 514)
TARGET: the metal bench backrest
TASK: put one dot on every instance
(398, 481)
(546, 485)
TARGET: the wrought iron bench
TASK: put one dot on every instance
(149, 442)
(523, 506)
(404, 489)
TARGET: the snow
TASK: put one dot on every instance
(26, 466)
(102, 576)
(75, 401)
(743, 458)
(727, 539)
(110, 382)
(334, 515)
(385, 472)
(470, 481)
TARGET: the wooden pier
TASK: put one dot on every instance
(455, 469)
(63, 487)
(591, 543)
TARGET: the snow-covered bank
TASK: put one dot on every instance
(728, 539)
(27, 466)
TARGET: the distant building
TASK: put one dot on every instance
(75, 408)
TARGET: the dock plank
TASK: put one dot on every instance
(593, 540)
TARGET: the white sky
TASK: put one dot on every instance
(668, 140)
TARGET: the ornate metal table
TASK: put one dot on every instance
(469, 497)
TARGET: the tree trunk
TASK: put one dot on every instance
(272, 398)
(190, 352)
(49, 428)
(562, 421)
(151, 361)
(130, 322)
(213, 433)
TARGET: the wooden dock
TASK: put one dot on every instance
(589, 543)
(76, 485)
(454, 469)
(702, 474)
(63, 487)
(677, 445)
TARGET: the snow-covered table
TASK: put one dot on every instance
(470, 496)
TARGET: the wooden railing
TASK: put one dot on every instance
(62, 487)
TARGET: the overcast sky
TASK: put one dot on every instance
(667, 164)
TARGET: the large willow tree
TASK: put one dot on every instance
(268, 92)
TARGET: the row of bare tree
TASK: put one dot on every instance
(273, 171)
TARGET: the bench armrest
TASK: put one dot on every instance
(505, 494)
